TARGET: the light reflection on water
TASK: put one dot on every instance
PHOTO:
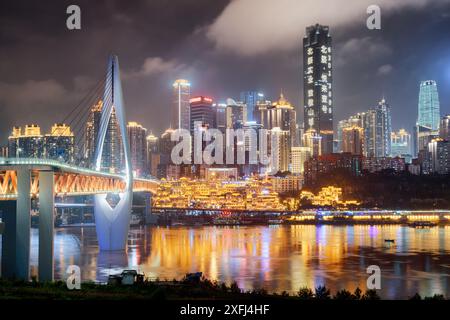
(276, 258)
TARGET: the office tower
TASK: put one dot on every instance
(377, 131)
(4, 151)
(112, 157)
(444, 128)
(317, 84)
(439, 152)
(153, 154)
(180, 109)
(221, 116)
(280, 150)
(60, 143)
(202, 113)
(282, 115)
(236, 114)
(429, 109)
(427, 126)
(29, 144)
(261, 112)
(138, 148)
(352, 121)
(352, 140)
(165, 150)
(299, 156)
(400, 143)
(313, 141)
(250, 99)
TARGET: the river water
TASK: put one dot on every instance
(277, 258)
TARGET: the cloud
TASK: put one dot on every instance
(384, 70)
(155, 65)
(249, 27)
(31, 93)
(367, 48)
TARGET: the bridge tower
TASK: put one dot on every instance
(113, 211)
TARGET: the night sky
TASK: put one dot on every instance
(223, 47)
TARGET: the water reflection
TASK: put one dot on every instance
(276, 258)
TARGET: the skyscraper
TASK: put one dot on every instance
(352, 140)
(60, 143)
(317, 84)
(180, 109)
(439, 152)
(444, 128)
(138, 148)
(400, 143)
(250, 99)
(377, 131)
(202, 113)
(236, 114)
(427, 126)
(29, 144)
(429, 108)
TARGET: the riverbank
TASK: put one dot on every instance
(203, 289)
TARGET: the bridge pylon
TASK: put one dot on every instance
(113, 211)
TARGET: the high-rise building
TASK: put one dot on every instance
(138, 148)
(299, 156)
(202, 113)
(60, 143)
(427, 126)
(280, 150)
(313, 141)
(221, 116)
(153, 154)
(250, 99)
(401, 144)
(29, 144)
(282, 115)
(444, 128)
(377, 131)
(353, 140)
(261, 112)
(236, 114)
(439, 152)
(429, 109)
(180, 109)
(352, 121)
(112, 156)
(317, 84)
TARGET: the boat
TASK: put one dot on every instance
(275, 221)
(422, 224)
(127, 277)
(389, 240)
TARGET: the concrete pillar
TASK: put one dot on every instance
(23, 224)
(8, 210)
(46, 225)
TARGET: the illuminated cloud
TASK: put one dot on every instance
(249, 27)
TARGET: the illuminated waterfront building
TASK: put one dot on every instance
(377, 131)
(317, 88)
(286, 183)
(328, 196)
(181, 109)
(250, 194)
(27, 144)
(60, 143)
(138, 148)
(401, 144)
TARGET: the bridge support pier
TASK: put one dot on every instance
(150, 218)
(46, 224)
(8, 209)
(23, 224)
(112, 220)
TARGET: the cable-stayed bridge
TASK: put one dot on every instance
(97, 162)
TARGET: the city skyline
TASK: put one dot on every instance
(221, 72)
